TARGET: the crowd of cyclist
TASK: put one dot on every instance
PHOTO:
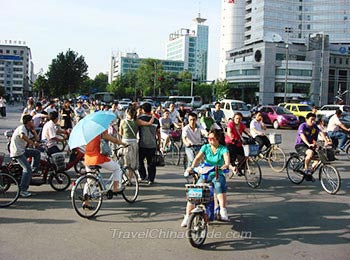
(144, 130)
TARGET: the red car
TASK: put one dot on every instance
(278, 117)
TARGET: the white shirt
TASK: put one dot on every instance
(48, 110)
(256, 128)
(174, 116)
(2, 102)
(49, 132)
(18, 145)
(194, 136)
(333, 124)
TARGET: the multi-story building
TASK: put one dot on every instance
(122, 63)
(275, 50)
(16, 68)
(191, 47)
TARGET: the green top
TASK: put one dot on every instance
(216, 159)
(207, 122)
(127, 125)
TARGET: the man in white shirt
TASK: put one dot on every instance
(192, 138)
(50, 133)
(51, 107)
(18, 149)
(2, 106)
(174, 116)
(334, 131)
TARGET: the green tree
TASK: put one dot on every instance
(100, 82)
(222, 89)
(40, 85)
(66, 74)
(147, 77)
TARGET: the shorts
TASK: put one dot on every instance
(301, 148)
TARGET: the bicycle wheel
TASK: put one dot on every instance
(131, 184)
(347, 150)
(87, 196)
(329, 178)
(172, 156)
(294, 169)
(197, 229)
(276, 159)
(59, 181)
(9, 190)
(252, 173)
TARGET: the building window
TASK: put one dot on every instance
(7, 51)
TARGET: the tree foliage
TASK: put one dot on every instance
(41, 85)
(66, 73)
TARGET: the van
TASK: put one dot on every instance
(192, 101)
(231, 106)
(103, 96)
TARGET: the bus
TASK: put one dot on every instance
(193, 101)
(103, 96)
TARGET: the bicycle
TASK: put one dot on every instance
(92, 188)
(248, 166)
(274, 155)
(171, 152)
(328, 174)
(9, 187)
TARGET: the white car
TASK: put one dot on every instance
(329, 110)
(231, 106)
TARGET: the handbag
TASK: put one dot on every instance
(158, 159)
(105, 149)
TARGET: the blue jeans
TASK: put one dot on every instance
(341, 136)
(191, 153)
(27, 169)
(219, 185)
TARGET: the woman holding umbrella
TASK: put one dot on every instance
(94, 157)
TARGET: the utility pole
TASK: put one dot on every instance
(287, 30)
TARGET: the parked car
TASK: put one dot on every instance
(299, 110)
(278, 117)
(328, 110)
(231, 106)
(123, 105)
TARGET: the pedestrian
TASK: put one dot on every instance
(148, 144)
(3, 106)
(67, 115)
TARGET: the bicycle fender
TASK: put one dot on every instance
(197, 210)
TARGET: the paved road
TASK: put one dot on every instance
(276, 221)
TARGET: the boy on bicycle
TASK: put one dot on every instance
(306, 140)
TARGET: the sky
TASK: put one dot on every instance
(96, 29)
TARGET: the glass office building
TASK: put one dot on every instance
(191, 47)
(280, 49)
(122, 63)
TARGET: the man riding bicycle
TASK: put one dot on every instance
(306, 140)
(192, 137)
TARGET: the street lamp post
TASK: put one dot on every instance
(287, 30)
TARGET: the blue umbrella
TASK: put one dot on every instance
(90, 127)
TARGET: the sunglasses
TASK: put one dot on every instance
(211, 138)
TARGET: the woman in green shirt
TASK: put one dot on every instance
(214, 153)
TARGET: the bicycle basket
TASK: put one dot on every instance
(2, 157)
(199, 193)
(322, 154)
(175, 136)
(251, 149)
(275, 138)
(58, 160)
